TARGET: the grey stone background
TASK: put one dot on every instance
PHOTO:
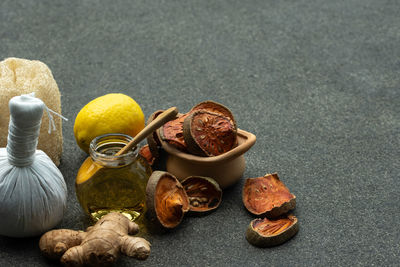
(316, 81)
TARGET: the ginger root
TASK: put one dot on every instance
(100, 245)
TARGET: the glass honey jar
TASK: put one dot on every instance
(107, 183)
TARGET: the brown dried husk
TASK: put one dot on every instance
(267, 196)
(204, 193)
(172, 132)
(209, 134)
(268, 233)
(145, 153)
(153, 140)
(214, 107)
(166, 199)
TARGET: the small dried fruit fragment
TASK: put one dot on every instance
(204, 193)
(209, 134)
(267, 196)
(268, 233)
(147, 155)
(152, 140)
(172, 132)
(166, 199)
(215, 107)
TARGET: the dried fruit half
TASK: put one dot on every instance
(147, 155)
(209, 134)
(214, 107)
(166, 199)
(267, 196)
(152, 140)
(204, 193)
(172, 132)
(268, 233)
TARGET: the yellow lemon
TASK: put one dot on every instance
(112, 113)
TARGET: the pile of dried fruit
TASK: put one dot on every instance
(208, 129)
(268, 196)
(168, 199)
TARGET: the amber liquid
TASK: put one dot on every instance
(106, 189)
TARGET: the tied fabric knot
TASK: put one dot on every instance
(51, 119)
(23, 135)
(52, 125)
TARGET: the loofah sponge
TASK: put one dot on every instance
(21, 76)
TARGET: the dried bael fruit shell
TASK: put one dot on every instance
(172, 132)
(152, 140)
(147, 155)
(267, 196)
(166, 199)
(268, 233)
(209, 134)
(214, 107)
(204, 193)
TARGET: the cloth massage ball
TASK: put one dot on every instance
(33, 192)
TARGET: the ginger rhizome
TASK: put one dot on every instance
(100, 245)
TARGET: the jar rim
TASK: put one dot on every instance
(93, 147)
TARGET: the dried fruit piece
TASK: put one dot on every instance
(214, 107)
(152, 140)
(172, 132)
(268, 233)
(166, 199)
(147, 155)
(267, 196)
(209, 134)
(204, 193)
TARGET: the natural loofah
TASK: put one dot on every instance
(22, 76)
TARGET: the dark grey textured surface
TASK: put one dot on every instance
(318, 82)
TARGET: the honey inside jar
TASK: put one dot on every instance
(107, 183)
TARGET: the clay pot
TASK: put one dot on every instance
(226, 169)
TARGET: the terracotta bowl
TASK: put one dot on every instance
(226, 169)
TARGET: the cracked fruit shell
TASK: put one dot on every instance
(172, 132)
(215, 107)
(209, 134)
(166, 199)
(146, 154)
(267, 196)
(268, 233)
(152, 140)
(204, 193)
